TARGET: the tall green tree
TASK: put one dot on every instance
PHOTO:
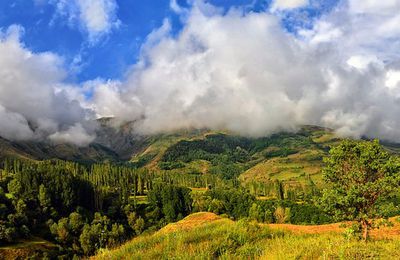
(360, 175)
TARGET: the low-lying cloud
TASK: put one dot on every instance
(247, 74)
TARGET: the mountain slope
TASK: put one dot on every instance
(7, 150)
(111, 144)
(207, 236)
(294, 158)
(34, 150)
(289, 157)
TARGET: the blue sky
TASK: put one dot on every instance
(45, 29)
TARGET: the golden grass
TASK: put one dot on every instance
(392, 232)
(192, 221)
(208, 236)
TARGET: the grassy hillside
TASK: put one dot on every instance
(291, 168)
(208, 236)
(294, 168)
(293, 158)
(45, 150)
(157, 145)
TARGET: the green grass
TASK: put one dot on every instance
(197, 238)
(294, 167)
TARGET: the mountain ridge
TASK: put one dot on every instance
(292, 157)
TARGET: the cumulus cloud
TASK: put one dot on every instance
(288, 4)
(14, 126)
(97, 18)
(224, 70)
(374, 7)
(30, 106)
(245, 73)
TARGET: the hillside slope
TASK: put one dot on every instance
(208, 236)
(292, 158)
(46, 150)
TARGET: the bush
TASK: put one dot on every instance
(282, 215)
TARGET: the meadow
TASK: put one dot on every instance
(209, 236)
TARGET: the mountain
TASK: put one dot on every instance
(111, 144)
(45, 150)
(293, 158)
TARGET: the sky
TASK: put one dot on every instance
(106, 50)
(253, 67)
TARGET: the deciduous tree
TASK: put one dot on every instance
(359, 174)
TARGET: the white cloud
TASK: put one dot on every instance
(30, 106)
(288, 4)
(173, 4)
(14, 126)
(392, 79)
(108, 100)
(244, 73)
(322, 32)
(75, 134)
(97, 18)
(362, 62)
(373, 6)
(361, 28)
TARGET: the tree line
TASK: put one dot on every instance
(84, 208)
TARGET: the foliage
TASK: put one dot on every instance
(282, 215)
(360, 175)
(234, 202)
(83, 208)
(173, 202)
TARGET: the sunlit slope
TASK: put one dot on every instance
(303, 161)
(157, 145)
(208, 236)
(294, 167)
(289, 157)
